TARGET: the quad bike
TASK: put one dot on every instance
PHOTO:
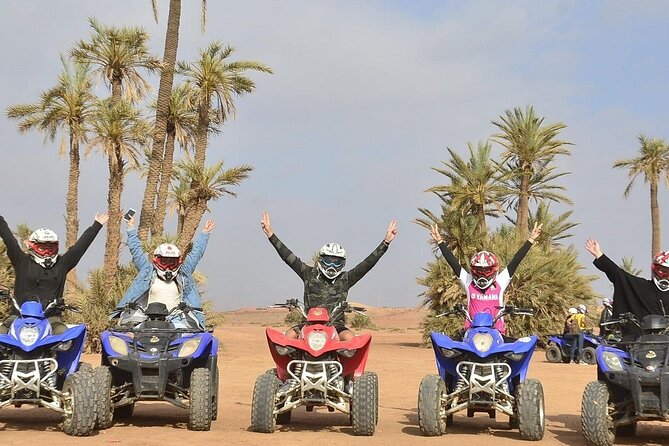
(632, 382)
(317, 369)
(482, 373)
(40, 368)
(559, 348)
(157, 361)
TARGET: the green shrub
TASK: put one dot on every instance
(360, 322)
(293, 318)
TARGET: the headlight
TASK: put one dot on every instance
(482, 341)
(514, 356)
(612, 361)
(346, 353)
(317, 340)
(189, 347)
(63, 346)
(283, 351)
(118, 345)
(28, 335)
(448, 353)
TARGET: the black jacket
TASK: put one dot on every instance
(319, 291)
(632, 294)
(33, 282)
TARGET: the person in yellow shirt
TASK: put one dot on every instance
(579, 320)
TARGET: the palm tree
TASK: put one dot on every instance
(653, 164)
(217, 81)
(64, 107)
(628, 266)
(205, 184)
(475, 186)
(554, 229)
(158, 155)
(117, 55)
(118, 131)
(181, 127)
(530, 146)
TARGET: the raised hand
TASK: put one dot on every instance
(102, 218)
(209, 226)
(536, 232)
(266, 224)
(391, 232)
(131, 222)
(593, 247)
(436, 235)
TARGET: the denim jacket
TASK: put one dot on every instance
(146, 273)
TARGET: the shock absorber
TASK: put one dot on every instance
(298, 370)
(461, 383)
(499, 374)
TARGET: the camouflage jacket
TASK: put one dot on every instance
(319, 291)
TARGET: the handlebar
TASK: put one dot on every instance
(184, 307)
(503, 311)
(343, 307)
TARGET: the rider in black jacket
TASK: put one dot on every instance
(326, 284)
(40, 272)
(633, 294)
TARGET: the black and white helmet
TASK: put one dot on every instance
(331, 260)
(43, 247)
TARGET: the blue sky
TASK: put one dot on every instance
(364, 99)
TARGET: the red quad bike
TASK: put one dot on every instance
(317, 369)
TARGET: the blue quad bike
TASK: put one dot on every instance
(158, 360)
(482, 373)
(559, 348)
(632, 381)
(40, 368)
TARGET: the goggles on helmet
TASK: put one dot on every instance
(167, 263)
(483, 271)
(44, 249)
(661, 272)
(332, 261)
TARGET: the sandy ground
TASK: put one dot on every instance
(397, 358)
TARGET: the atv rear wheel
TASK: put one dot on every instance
(263, 405)
(79, 401)
(531, 410)
(104, 409)
(365, 404)
(596, 424)
(431, 393)
(85, 367)
(588, 356)
(553, 354)
(200, 398)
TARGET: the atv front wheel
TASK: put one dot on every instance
(200, 407)
(365, 404)
(214, 393)
(431, 394)
(596, 424)
(79, 403)
(263, 418)
(104, 409)
(588, 356)
(553, 354)
(531, 410)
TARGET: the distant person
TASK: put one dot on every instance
(166, 277)
(571, 334)
(605, 316)
(633, 294)
(580, 328)
(484, 287)
(40, 273)
(327, 284)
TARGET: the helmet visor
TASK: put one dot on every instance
(661, 272)
(167, 263)
(44, 249)
(332, 261)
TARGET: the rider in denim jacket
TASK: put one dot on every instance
(147, 274)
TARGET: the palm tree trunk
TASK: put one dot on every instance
(202, 134)
(112, 246)
(654, 220)
(72, 204)
(523, 206)
(191, 223)
(163, 191)
(162, 108)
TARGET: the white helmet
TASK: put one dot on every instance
(573, 310)
(331, 261)
(607, 302)
(43, 247)
(167, 261)
(582, 309)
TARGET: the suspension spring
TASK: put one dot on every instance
(298, 369)
(461, 383)
(332, 370)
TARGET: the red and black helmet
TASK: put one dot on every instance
(660, 269)
(484, 267)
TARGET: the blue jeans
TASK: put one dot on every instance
(576, 339)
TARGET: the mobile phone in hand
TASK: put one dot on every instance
(128, 215)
